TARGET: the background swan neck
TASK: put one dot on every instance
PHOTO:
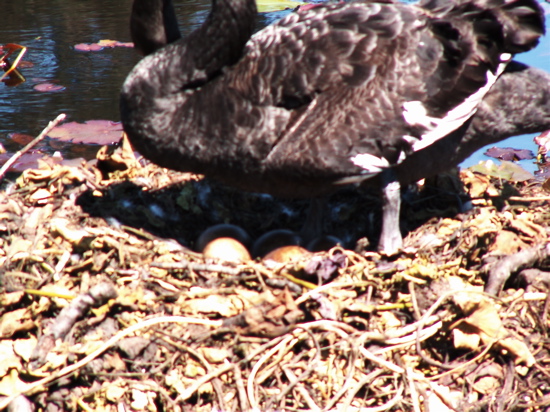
(199, 57)
(190, 62)
(153, 24)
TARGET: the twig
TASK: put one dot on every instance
(29, 146)
(401, 343)
(35, 386)
(464, 365)
(422, 321)
(216, 384)
(79, 306)
(330, 286)
(529, 198)
(412, 389)
(382, 408)
(224, 369)
(243, 401)
(416, 310)
(295, 381)
(349, 380)
(507, 392)
(252, 376)
(381, 362)
(503, 269)
(196, 267)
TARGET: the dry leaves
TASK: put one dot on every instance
(102, 311)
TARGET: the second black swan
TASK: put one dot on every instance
(333, 95)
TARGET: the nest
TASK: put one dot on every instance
(105, 305)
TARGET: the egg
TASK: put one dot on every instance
(275, 239)
(222, 230)
(226, 248)
(286, 254)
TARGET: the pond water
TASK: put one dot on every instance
(51, 28)
(539, 57)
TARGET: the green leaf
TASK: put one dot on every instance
(506, 171)
(265, 6)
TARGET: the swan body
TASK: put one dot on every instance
(336, 94)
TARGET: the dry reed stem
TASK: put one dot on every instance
(31, 144)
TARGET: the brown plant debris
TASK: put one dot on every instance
(106, 304)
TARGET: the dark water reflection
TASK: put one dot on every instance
(51, 28)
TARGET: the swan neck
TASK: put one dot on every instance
(153, 24)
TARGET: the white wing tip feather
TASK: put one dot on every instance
(370, 163)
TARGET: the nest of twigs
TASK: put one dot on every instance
(103, 310)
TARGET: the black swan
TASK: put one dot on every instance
(333, 95)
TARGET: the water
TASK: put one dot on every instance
(539, 57)
(51, 28)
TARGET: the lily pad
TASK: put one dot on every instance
(509, 153)
(100, 45)
(48, 87)
(88, 47)
(21, 138)
(27, 161)
(102, 132)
